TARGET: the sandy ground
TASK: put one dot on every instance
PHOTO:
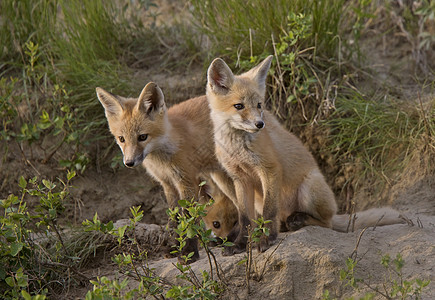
(301, 266)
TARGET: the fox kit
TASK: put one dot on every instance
(272, 171)
(174, 145)
(222, 214)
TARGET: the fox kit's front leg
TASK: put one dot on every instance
(270, 184)
(246, 212)
(171, 193)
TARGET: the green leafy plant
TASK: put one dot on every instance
(190, 225)
(34, 249)
(260, 231)
(394, 285)
(133, 262)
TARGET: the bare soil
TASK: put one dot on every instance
(302, 265)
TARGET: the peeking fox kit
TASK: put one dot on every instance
(222, 214)
(175, 145)
(264, 159)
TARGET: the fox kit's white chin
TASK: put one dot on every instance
(247, 128)
(252, 130)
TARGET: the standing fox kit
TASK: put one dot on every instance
(174, 145)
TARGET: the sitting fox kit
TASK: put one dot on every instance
(175, 145)
(274, 175)
(262, 157)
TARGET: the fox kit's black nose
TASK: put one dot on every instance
(129, 164)
(259, 124)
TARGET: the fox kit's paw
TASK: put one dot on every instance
(231, 250)
(190, 247)
(266, 242)
(297, 220)
(238, 247)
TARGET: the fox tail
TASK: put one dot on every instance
(368, 218)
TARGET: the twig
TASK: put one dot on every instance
(54, 223)
(58, 264)
(267, 260)
(374, 227)
(249, 258)
(409, 221)
(351, 223)
(26, 160)
(355, 250)
(419, 223)
(377, 290)
(49, 156)
(219, 274)
(209, 259)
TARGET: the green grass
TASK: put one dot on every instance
(54, 53)
(240, 29)
(58, 51)
(381, 139)
(316, 55)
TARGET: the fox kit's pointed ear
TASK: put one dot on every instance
(220, 77)
(259, 72)
(151, 100)
(111, 104)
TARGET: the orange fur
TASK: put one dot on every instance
(222, 214)
(175, 145)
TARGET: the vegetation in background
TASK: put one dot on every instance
(304, 36)
(53, 53)
(393, 285)
(313, 83)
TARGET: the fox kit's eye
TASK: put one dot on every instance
(216, 224)
(142, 137)
(121, 139)
(239, 106)
(259, 105)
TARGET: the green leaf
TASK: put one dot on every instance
(343, 275)
(183, 203)
(10, 281)
(190, 232)
(16, 247)
(52, 213)
(71, 175)
(22, 183)
(95, 218)
(48, 184)
(109, 226)
(26, 295)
